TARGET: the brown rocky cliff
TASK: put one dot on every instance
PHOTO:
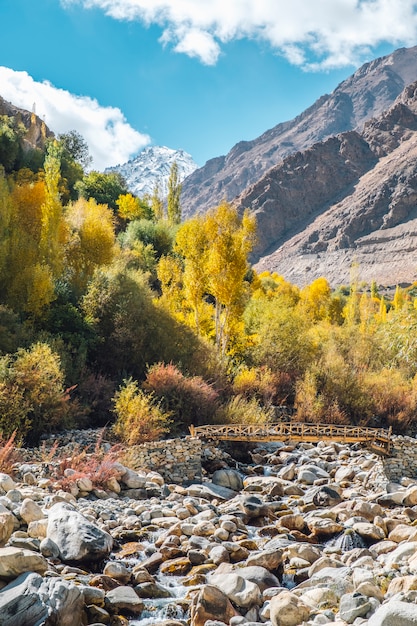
(368, 92)
(373, 219)
(36, 129)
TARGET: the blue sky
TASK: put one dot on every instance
(199, 75)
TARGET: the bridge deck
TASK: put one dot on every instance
(377, 439)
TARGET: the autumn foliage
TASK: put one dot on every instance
(113, 310)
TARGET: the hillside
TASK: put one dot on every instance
(349, 199)
(36, 129)
(367, 93)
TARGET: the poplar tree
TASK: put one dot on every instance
(174, 196)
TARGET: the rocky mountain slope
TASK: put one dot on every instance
(36, 129)
(366, 94)
(351, 198)
(152, 166)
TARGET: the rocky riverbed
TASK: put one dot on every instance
(302, 535)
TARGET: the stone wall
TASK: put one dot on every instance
(403, 459)
(177, 460)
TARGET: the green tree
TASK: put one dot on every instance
(76, 147)
(11, 132)
(174, 196)
(105, 188)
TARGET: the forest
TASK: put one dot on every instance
(116, 312)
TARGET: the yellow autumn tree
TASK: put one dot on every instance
(92, 242)
(192, 244)
(230, 239)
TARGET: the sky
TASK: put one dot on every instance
(196, 75)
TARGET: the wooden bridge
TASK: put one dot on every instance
(376, 439)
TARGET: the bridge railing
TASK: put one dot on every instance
(378, 438)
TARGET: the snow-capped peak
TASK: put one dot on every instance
(153, 166)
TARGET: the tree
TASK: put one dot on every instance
(11, 133)
(104, 188)
(92, 241)
(174, 196)
(230, 239)
(191, 243)
(132, 208)
(74, 144)
(157, 204)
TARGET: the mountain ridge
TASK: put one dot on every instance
(362, 96)
(349, 199)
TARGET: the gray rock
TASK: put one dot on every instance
(353, 605)
(76, 537)
(123, 600)
(229, 478)
(395, 613)
(31, 600)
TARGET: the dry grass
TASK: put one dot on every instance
(9, 453)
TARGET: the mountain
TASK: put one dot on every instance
(349, 199)
(366, 94)
(152, 166)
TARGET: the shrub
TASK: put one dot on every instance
(240, 410)
(33, 399)
(267, 386)
(191, 400)
(139, 417)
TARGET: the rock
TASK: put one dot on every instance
(395, 613)
(260, 576)
(229, 478)
(270, 560)
(210, 490)
(49, 549)
(286, 609)
(211, 603)
(353, 605)
(243, 593)
(6, 483)
(403, 532)
(7, 526)
(30, 600)
(15, 561)
(401, 584)
(118, 571)
(253, 506)
(124, 600)
(325, 496)
(30, 511)
(369, 531)
(76, 537)
(132, 480)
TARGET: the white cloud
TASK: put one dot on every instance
(110, 138)
(310, 33)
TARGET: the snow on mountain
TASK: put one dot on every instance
(152, 166)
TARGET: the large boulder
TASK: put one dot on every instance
(229, 478)
(395, 613)
(211, 604)
(78, 540)
(16, 561)
(32, 600)
(243, 593)
(286, 609)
